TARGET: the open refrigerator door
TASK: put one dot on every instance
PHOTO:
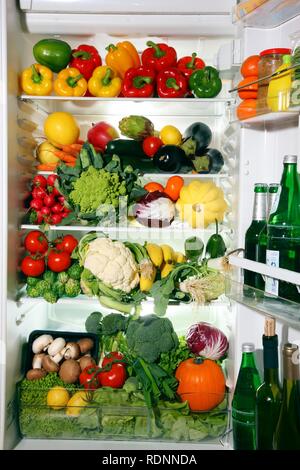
(253, 149)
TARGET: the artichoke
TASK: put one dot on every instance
(136, 127)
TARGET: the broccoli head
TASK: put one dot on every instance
(62, 277)
(113, 323)
(93, 323)
(49, 276)
(149, 336)
(75, 271)
(72, 288)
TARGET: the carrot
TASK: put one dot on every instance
(79, 141)
(65, 157)
(73, 149)
(45, 167)
(72, 164)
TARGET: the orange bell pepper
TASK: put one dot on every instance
(122, 57)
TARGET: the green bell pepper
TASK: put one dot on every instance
(53, 53)
(215, 246)
(205, 83)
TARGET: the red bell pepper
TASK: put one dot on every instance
(189, 64)
(159, 56)
(138, 82)
(85, 59)
(171, 83)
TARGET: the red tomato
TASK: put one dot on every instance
(59, 261)
(173, 188)
(249, 91)
(68, 243)
(250, 66)
(33, 267)
(151, 144)
(36, 204)
(36, 242)
(112, 357)
(115, 377)
(151, 187)
(51, 179)
(89, 377)
(39, 181)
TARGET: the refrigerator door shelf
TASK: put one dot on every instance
(264, 13)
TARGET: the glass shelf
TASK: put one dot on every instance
(265, 13)
(282, 309)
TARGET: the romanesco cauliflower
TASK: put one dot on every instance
(97, 187)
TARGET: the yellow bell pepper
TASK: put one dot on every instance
(70, 82)
(104, 82)
(37, 80)
(122, 57)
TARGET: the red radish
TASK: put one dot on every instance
(49, 200)
(57, 208)
(39, 217)
(45, 211)
(56, 219)
(101, 133)
(52, 190)
(51, 179)
(39, 181)
(38, 192)
(36, 204)
(61, 199)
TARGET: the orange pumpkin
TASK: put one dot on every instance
(201, 383)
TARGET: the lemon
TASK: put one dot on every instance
(45, 153)
(170, 135)
(57, 398)
(61, 129)
(76, 403)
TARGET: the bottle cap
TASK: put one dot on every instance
(276, 50)
(290, 159)
(248, 347)
(289, 349)
(260, 188)
(273, 187)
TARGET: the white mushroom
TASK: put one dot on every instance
(72, 351)
(41, 343)
(56, 346)
(37, 360)
(58, 357)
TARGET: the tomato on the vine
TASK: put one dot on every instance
(115, 377)
(90, 377)
(151, 144)
(58, 261)
(67, 243)
(112, 356)
(36, 242)
(33, 267)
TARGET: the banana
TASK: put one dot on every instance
(168, 253)
(155, 253)
(179, 257)
(146, 283)
(166, 269)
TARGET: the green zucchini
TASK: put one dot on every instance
(127, 147)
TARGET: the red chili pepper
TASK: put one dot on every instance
(138, 82)
(188, 64)
(159, 56)
(85, 59)
(171, 83)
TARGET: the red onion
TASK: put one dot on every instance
(206, 340)
(155, 210)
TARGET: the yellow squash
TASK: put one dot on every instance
(201, 204)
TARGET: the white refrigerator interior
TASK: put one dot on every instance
(253, 151)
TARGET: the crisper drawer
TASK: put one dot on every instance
(118, 414)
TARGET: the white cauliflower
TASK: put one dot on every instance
(113, 263)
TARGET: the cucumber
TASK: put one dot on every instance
(127, 147)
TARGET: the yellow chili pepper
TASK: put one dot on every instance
(37, 80)
(122, 57)
(104, 82)
(70, 82)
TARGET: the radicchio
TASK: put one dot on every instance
(206, 340)
(155, 210)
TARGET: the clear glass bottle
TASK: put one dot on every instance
(268, 395)
(243, 402)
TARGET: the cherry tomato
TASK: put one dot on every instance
(112, 357)
(36, 242)
(51, 179)
(36, 203)
(151, 187)
(56, 219)
(38, 192)
(250, 66)
(33, 267)
(173, 188)
(57, 208)
(150, 145)
(115, 377)
(68, 243)
(59, 261)
(39, 181)
(90, 378)
(49, 200)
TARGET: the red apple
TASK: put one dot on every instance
(101, 133)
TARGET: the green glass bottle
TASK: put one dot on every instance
(268, 395)
(259, 221)
(283, 243)
(243, 402)
(287, 434)
(263, 236)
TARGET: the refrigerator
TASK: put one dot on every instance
(223, 34)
